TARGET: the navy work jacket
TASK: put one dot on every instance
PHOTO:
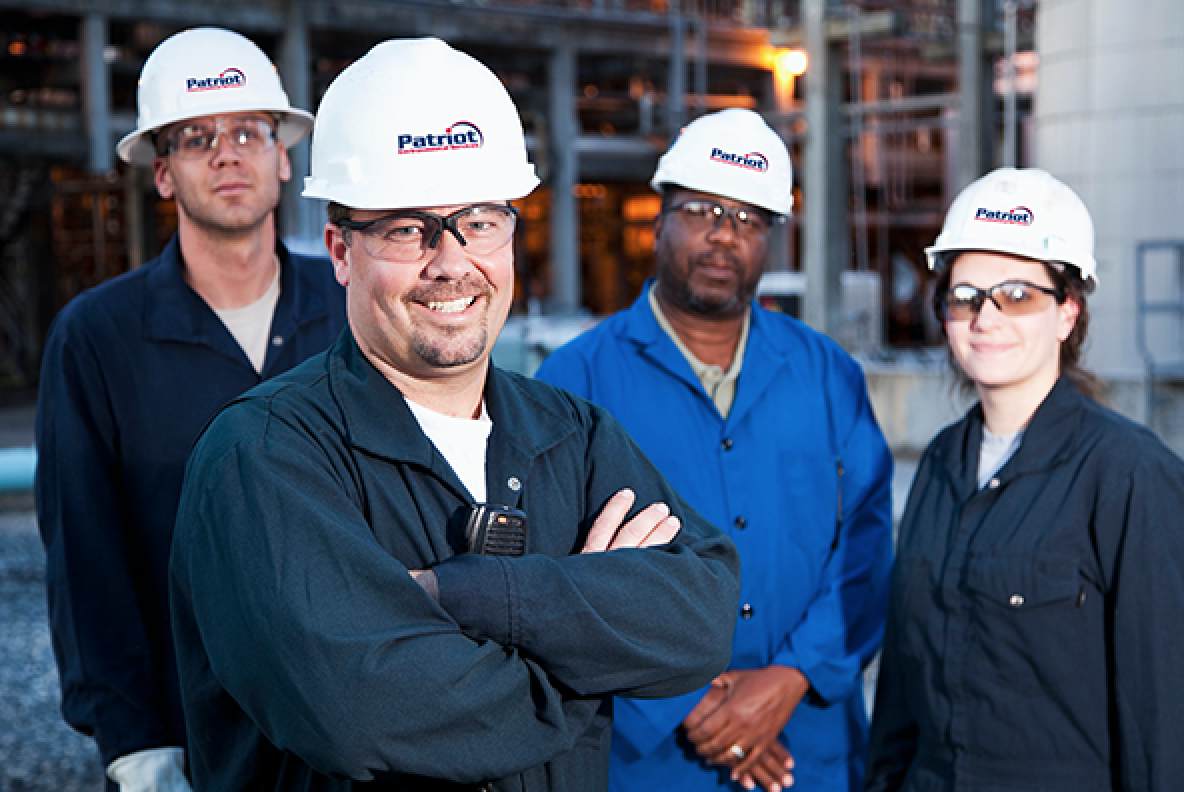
(311, 660)
(133, 369)
(799, 475)
(1034, 639)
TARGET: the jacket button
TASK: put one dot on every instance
(513, 483)
(993, 483)
(746, 612)
(741, 523)
(277, 341)
(1016, 600)
(727, 444)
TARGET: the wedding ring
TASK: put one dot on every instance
(738, 752)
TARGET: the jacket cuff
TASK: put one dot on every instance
(828, 682)
(475, 591)
(156, 769)
(643, 725)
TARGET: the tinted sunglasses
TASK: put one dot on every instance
(1013, 298)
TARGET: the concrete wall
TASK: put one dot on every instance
(1109, 122)
(913, 401)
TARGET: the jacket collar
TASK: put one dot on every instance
(173, 311)
(762, 359)
(377, 419)
(379, 422)
(1047, 442)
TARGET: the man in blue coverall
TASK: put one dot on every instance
(134, 368)
(765, 427)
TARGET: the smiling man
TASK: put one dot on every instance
(398, 564)
(134, 368)
(765, 426)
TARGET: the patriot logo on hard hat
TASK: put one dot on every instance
(460, 135)
(753, 160)
(229, 78)
(1020, 215)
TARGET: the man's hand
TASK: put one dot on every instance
(653, 525)
(737, 723)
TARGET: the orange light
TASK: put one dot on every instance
(790, 63)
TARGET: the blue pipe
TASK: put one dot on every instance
(16, 469)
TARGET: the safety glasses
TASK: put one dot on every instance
(1013, 298)
(407, 236)
(700, 216)
(197, 139)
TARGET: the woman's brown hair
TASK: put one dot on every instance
(1069, 283)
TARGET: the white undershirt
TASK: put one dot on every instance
(251, 324)
(461, 441)
(994, 453)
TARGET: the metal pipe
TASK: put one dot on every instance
(301, 218)
(97, 84)
(701, 60)
(820, 248)
(970, 82)
(859, 177)
(676, 76)
(565, 230)
(1010, 12)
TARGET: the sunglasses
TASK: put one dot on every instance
(1013, 298)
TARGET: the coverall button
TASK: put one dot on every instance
(993, 483)
(746, 612)
(1016, 600)
(741, 523)
(727, 444)
(513, 483)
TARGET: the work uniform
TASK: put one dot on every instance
(798, 474)
(133, 369)
(309, 657)
(1034, 637)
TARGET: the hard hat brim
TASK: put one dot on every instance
(937, 255)
(136, 148)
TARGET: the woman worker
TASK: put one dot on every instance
(1036, 634)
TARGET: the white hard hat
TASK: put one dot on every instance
(207, 71)
(1025, 213)
(732, 153)
(415, 123)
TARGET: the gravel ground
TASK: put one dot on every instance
(38, 751)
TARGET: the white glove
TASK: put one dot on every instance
(153, 770)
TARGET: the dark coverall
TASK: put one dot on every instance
(1034, 639)
(133, 369)
(310, 659)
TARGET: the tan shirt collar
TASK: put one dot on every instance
(719, 384)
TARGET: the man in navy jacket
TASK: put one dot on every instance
(133, 370)
(765, 427)
(356, 598)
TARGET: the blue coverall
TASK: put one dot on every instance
(799, 477)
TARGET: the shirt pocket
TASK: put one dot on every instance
(1021, 619)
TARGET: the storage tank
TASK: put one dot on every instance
(1109, 121)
